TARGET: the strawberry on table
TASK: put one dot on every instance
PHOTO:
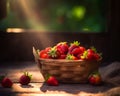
(25, 78)
(95, 78)
(52, 81)
(6, 82)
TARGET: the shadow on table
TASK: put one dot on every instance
(27, 86)
(76, 88)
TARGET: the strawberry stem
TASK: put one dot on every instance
(47, 76)
(52, 52)
(2, 77)
(77, 43)
(94, 49)
(27, 74)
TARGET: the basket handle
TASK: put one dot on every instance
(35, 53)
(36, 56)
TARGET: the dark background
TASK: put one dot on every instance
(18, 46)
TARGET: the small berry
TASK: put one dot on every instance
(25, 79)
(6, 82)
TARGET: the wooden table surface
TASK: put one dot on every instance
(37, 87)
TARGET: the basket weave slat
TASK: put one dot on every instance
(68, 71)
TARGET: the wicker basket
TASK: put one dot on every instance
(67, 71)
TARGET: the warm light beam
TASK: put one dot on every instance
(31, 12)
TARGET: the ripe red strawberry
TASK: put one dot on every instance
(63, 47)
(62, 56)
(54, 53)
(25, 79)
(75, 51)
(44, 53)
(95, 79)
(78, 50)
(97, 56)
(71, 57)
(91, 54)
(82, 49)
(52, 81)
(88, 55)
(6, 82)
(72, 46)
(47, 49)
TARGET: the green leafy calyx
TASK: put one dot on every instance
(77, 43)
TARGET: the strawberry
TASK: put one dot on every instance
(63, 47)
(52, 81)
(54, 53)
(25, 79)
(6, 82)
(75, 51)
(82, 49)
(95, 79)
(79, 56)
(78, 50)
(97, 56)
(72, 46)
(91, 54)
(71, 57)
(47, 49)
(44, 53)
(62, 56)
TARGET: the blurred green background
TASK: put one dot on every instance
(56, 15)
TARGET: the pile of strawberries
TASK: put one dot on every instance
(72, 51)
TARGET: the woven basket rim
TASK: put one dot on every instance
(63, 62)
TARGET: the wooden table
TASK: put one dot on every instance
(37, 87)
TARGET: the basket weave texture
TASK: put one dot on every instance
(68, 71)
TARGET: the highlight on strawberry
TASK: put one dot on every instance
(70, 51)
